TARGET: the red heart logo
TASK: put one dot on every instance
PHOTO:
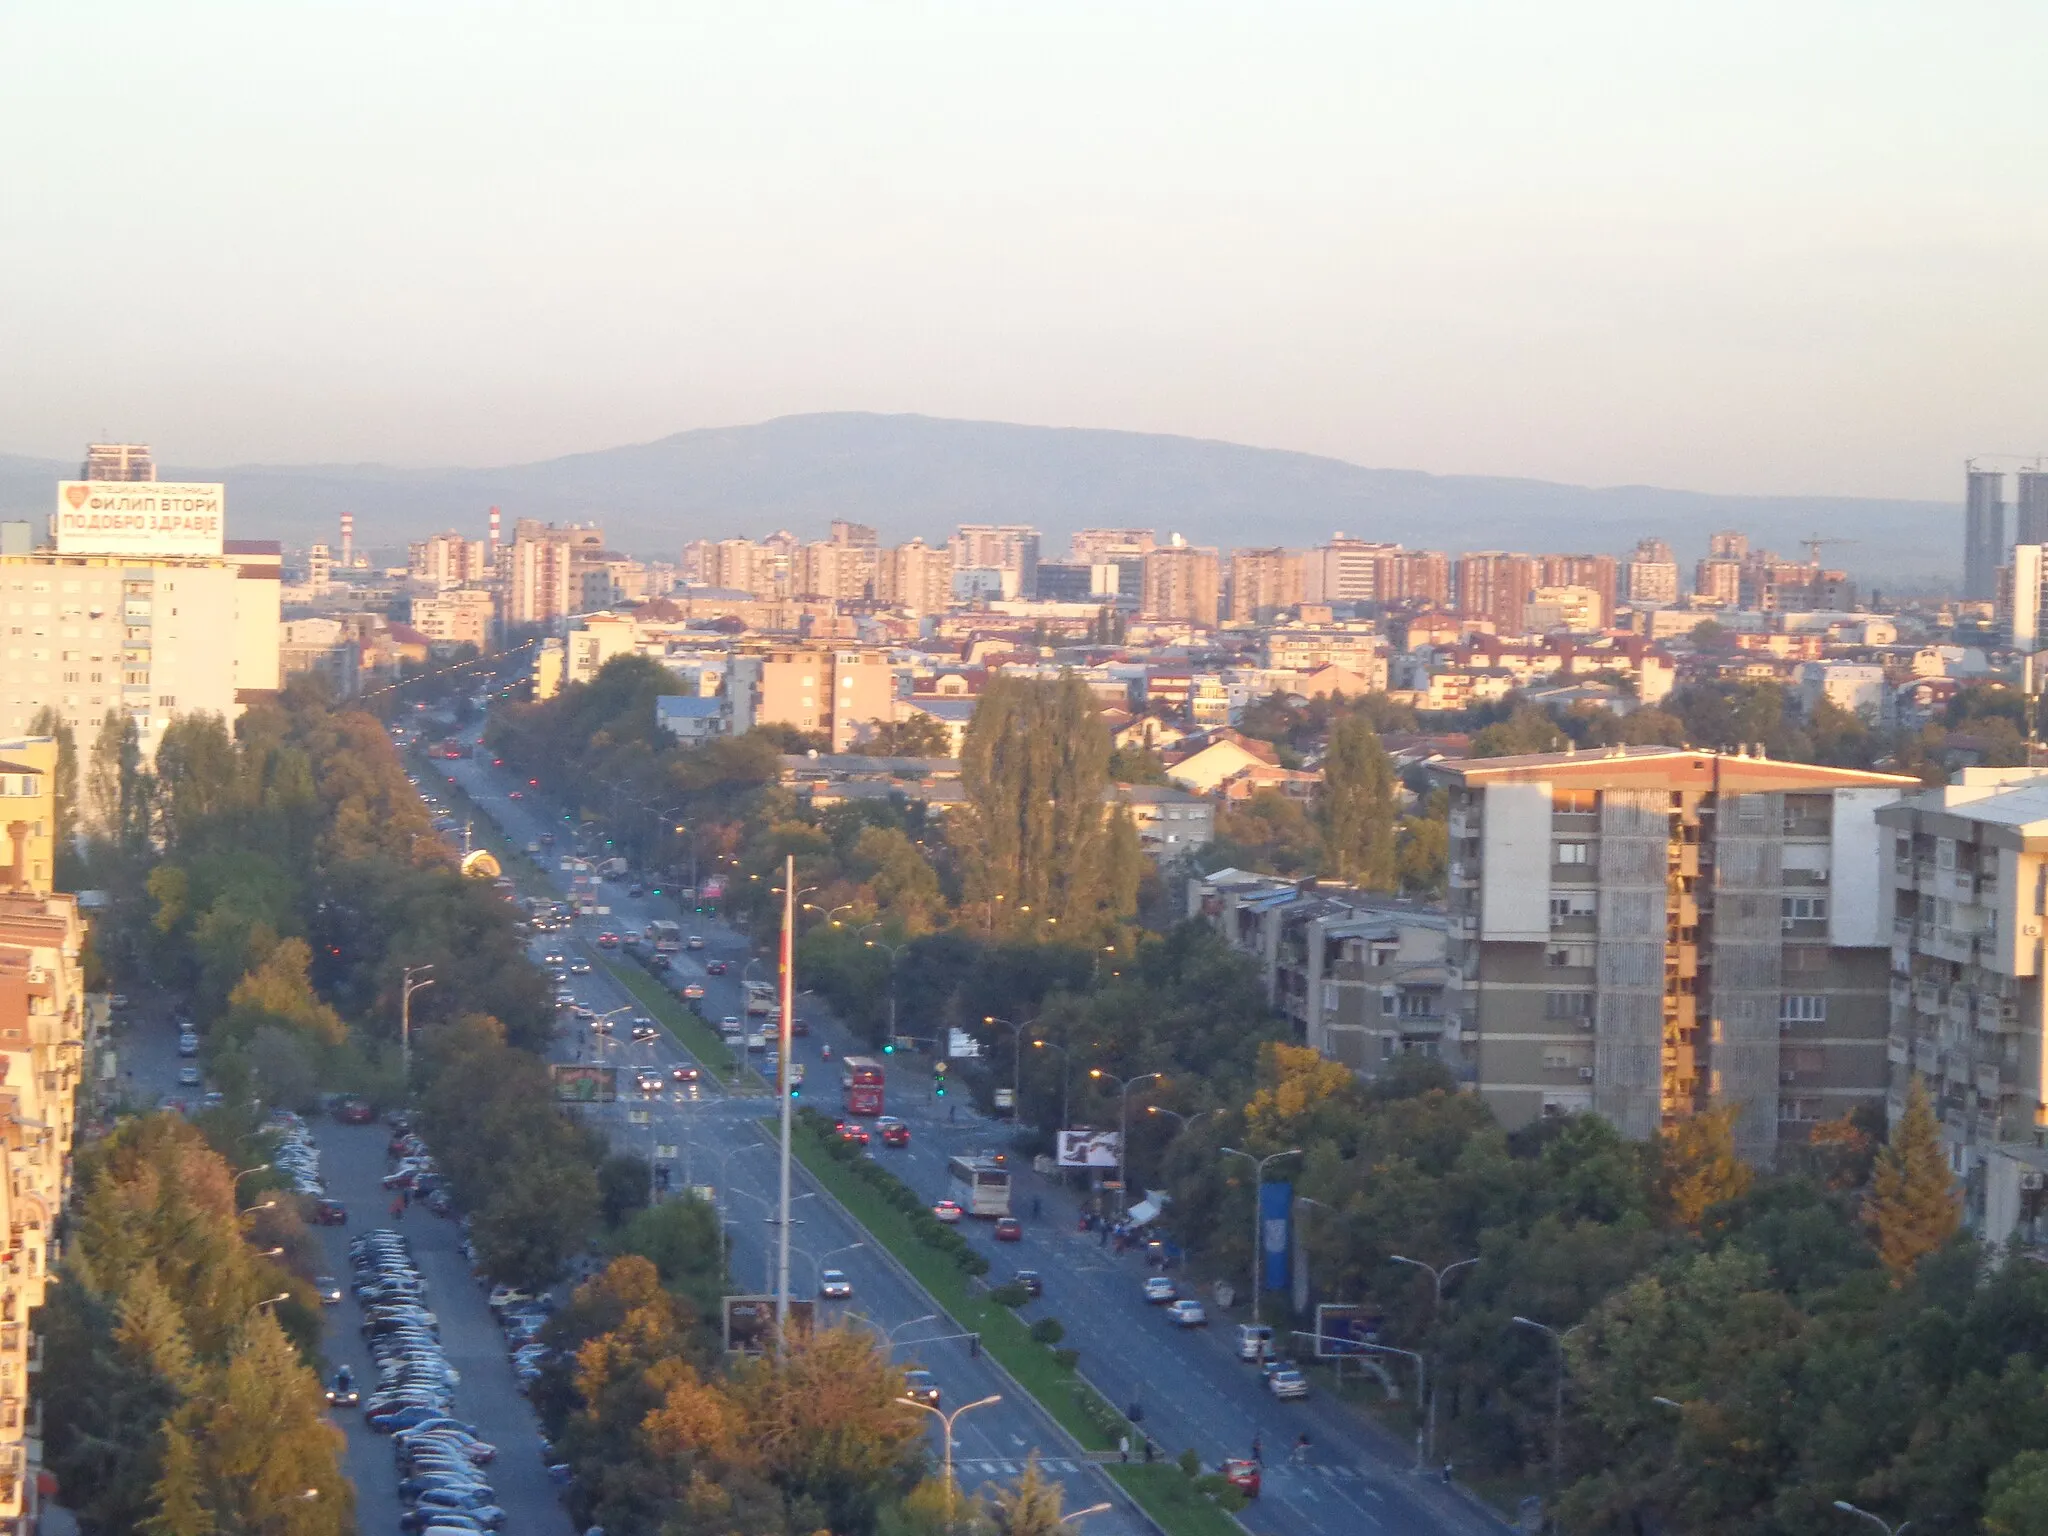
(76, 494)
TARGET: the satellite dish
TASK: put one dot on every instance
(481, 864)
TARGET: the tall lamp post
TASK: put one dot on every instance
(1066, 1077)
(946, 1419)
(1016, 1062)
(406, 989)
(1124, 1085)
(1258, 1224)
(894, 952)
(1557, 1338)
(1437, 1277)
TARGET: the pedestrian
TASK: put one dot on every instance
(1301, 1447)
(1447, 1474)
(1123, 1448)
(1148, 1450)
(1037, 1208)
(1258, 1450)
(398, 1210)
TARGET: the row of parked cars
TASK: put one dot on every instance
(297, 1156)
(440, 1457)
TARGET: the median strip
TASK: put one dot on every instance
(695, 1036)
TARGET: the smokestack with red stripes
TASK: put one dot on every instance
(348, 540)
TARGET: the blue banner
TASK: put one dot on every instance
(1276, 1206)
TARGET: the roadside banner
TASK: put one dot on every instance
(1091, 1149)
(1276, 1204)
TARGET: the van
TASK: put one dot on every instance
(188, 1044)
(1254, 1341)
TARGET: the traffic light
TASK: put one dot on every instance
(889, 1046)
(939, 1078)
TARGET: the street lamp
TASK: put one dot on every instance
(948, 1419)
(1185, 1121)
(1258, 1222)
(1066, 1077)
(844, 906)
(1883, 1525)
(1124, 1085)
(271, 1301)
(251, 1210)
(1016, 1062)
(895, 953)
(259, 1168)
(1557, 1401)
(1437, 1276)
(407, 987)
(1083, 1514)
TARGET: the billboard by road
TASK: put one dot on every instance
(141, 517)
(1090, 1149)
(580, 1083)
(750, 1322)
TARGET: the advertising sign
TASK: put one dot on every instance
(712, 889)
(1342, 1328)
(1276, 1206)
(961, 1046)
(140, 517)
(580, 1083)
(1091, 1149)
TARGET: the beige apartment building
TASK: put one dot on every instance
(150, 638)
(835, 691)
(916, 577)
(462, 617)
(445, 560)
(1648, 932)
(1182, 583)
(1966, 885)
(46, 1032)
(1265, 581)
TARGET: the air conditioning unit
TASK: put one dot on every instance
(1787, 923)
(2030, 1179)
(1585, 1074)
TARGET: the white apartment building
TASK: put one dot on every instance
(461, 617)
(1969, 1014)
(151, 639)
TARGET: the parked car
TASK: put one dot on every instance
(1286, 1382)
(330, 1213)
(1188, 1313)
(1159, 1290)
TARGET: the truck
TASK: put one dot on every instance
(761, 998)
(613, 869)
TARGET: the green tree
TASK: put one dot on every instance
(2018, 1504)
(1525, 731)
(1699, 1167)
(1356, 807)
(64, 789)
(917, 735)
(1031, 1508)
(1912, 1208)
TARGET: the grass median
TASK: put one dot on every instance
(1079, 1407)
(1169, 1496)
(697, 1037)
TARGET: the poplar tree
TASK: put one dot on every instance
(1912, 1209)
(1356, 808)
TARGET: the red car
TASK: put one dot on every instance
(355, 1112)
(894, 1132)
(607, 941)
(851, 1130)
(1009, 1229)
(330, 1213)
(716, 968)
(685, 1074)
(1243, 1476)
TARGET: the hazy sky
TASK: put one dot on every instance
(1735, 247)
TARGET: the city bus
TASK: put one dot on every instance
(983, 1186)
(664, 937)
(861, 1077)
(761, 998)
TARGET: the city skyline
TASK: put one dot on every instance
(1763, 251)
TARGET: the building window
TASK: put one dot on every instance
(1573, 802)
(1573, 853)
(1802, 1008)
(1387, 1004)
(1564, 956)
(1566, 904)
(1568, 1005)
(1806, 909)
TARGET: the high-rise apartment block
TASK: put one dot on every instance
(1263, 582)
(1718, 580)
(464, 616)
(1184, 583)
(445, 560)
(553, 571)
(1652, 575)
(1648, 932)
(1495, 585)
(1109, 546)
(1347, 570)
(836, 691)
(1011, 547)
(915, 577)
(118, 461)
(46, 1032)
(1593, 573)
(2030, 507)
(1966, 885)
(1983, 533)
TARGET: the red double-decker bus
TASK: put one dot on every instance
(861, 1077)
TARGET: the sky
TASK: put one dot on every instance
(1781, 247)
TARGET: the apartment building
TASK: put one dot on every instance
(445, 560)
(1182, 583)
(1647, 932)
(151, 638)
(1263, 582)
(1495, 585)
(1108, 546)
(46, 1031)
(835, 691)
(915, 577)
(1593, 573)
(1966, 887)
(1011, 547)
(1652, 575)
(461, 617)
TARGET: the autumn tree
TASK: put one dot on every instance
(1698, 1164)
(1356, 807)
(1912, 1208)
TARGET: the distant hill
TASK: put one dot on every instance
(921, 475)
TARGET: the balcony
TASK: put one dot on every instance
(1926, 1058)
(1926, 997)
(1989, 1083)
(1898, 1050)
(1463, 877)
(1962, 1009)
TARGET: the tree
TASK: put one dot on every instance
(1356, 807)
(1032, 1508)
(1912, 1208)
(1699, 1165)
(1527, 730)
(64, 788)
(114, 781)
(1136, 765)
(917, 735)
(537, 1215)
(2018, 1504)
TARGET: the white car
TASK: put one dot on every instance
(1287, 1383)
(1187, 1313)
(834, 1286)
(1159, 1290)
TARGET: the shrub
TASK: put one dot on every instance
(1066, 1359)
(1048, 1330)
(1012, 1295)
(1190, 1463)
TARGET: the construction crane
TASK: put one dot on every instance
(1813, 543)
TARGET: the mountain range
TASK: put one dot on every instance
(921, 475)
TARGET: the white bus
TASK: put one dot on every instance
(761, 998)
(982, 1186)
